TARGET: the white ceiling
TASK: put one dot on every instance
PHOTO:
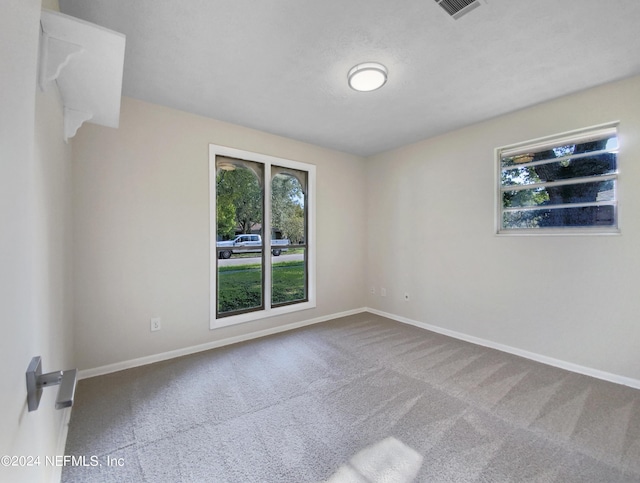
(281, 65)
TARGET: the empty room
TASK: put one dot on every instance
(359, 241)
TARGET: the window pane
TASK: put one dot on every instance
(596, 165)
(288, 234)
(555, 195)
(239, 205)
(532, 197)
(561, 217)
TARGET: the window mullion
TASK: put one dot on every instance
(266, 237)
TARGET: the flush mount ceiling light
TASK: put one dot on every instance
(367, 77)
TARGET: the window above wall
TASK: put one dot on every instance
(562, 184)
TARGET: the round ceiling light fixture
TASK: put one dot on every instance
(367, 77)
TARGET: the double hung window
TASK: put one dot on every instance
(262, 235)
(560, 184)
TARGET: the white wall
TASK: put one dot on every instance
(430, 208)
(141, 244)
(35, 215)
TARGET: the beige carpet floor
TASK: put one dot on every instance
(357, 399)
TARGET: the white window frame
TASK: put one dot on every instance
(547, 142)
(268, 311)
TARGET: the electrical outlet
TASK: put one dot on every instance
(383, 292)
(373, 290)
(406, 296)
(155, 324)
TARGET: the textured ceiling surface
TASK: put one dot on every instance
(281, 66)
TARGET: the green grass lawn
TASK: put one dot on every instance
(239, 287)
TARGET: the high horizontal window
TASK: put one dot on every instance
(262, 234)
(560, 184)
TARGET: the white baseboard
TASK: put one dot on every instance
(142, 361)
(569, 366)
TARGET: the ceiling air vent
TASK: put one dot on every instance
(457, 8)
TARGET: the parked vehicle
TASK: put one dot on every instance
(250, 244)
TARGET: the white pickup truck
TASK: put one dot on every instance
(249, 244)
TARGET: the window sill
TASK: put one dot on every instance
(258, 315)
(560, 232)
